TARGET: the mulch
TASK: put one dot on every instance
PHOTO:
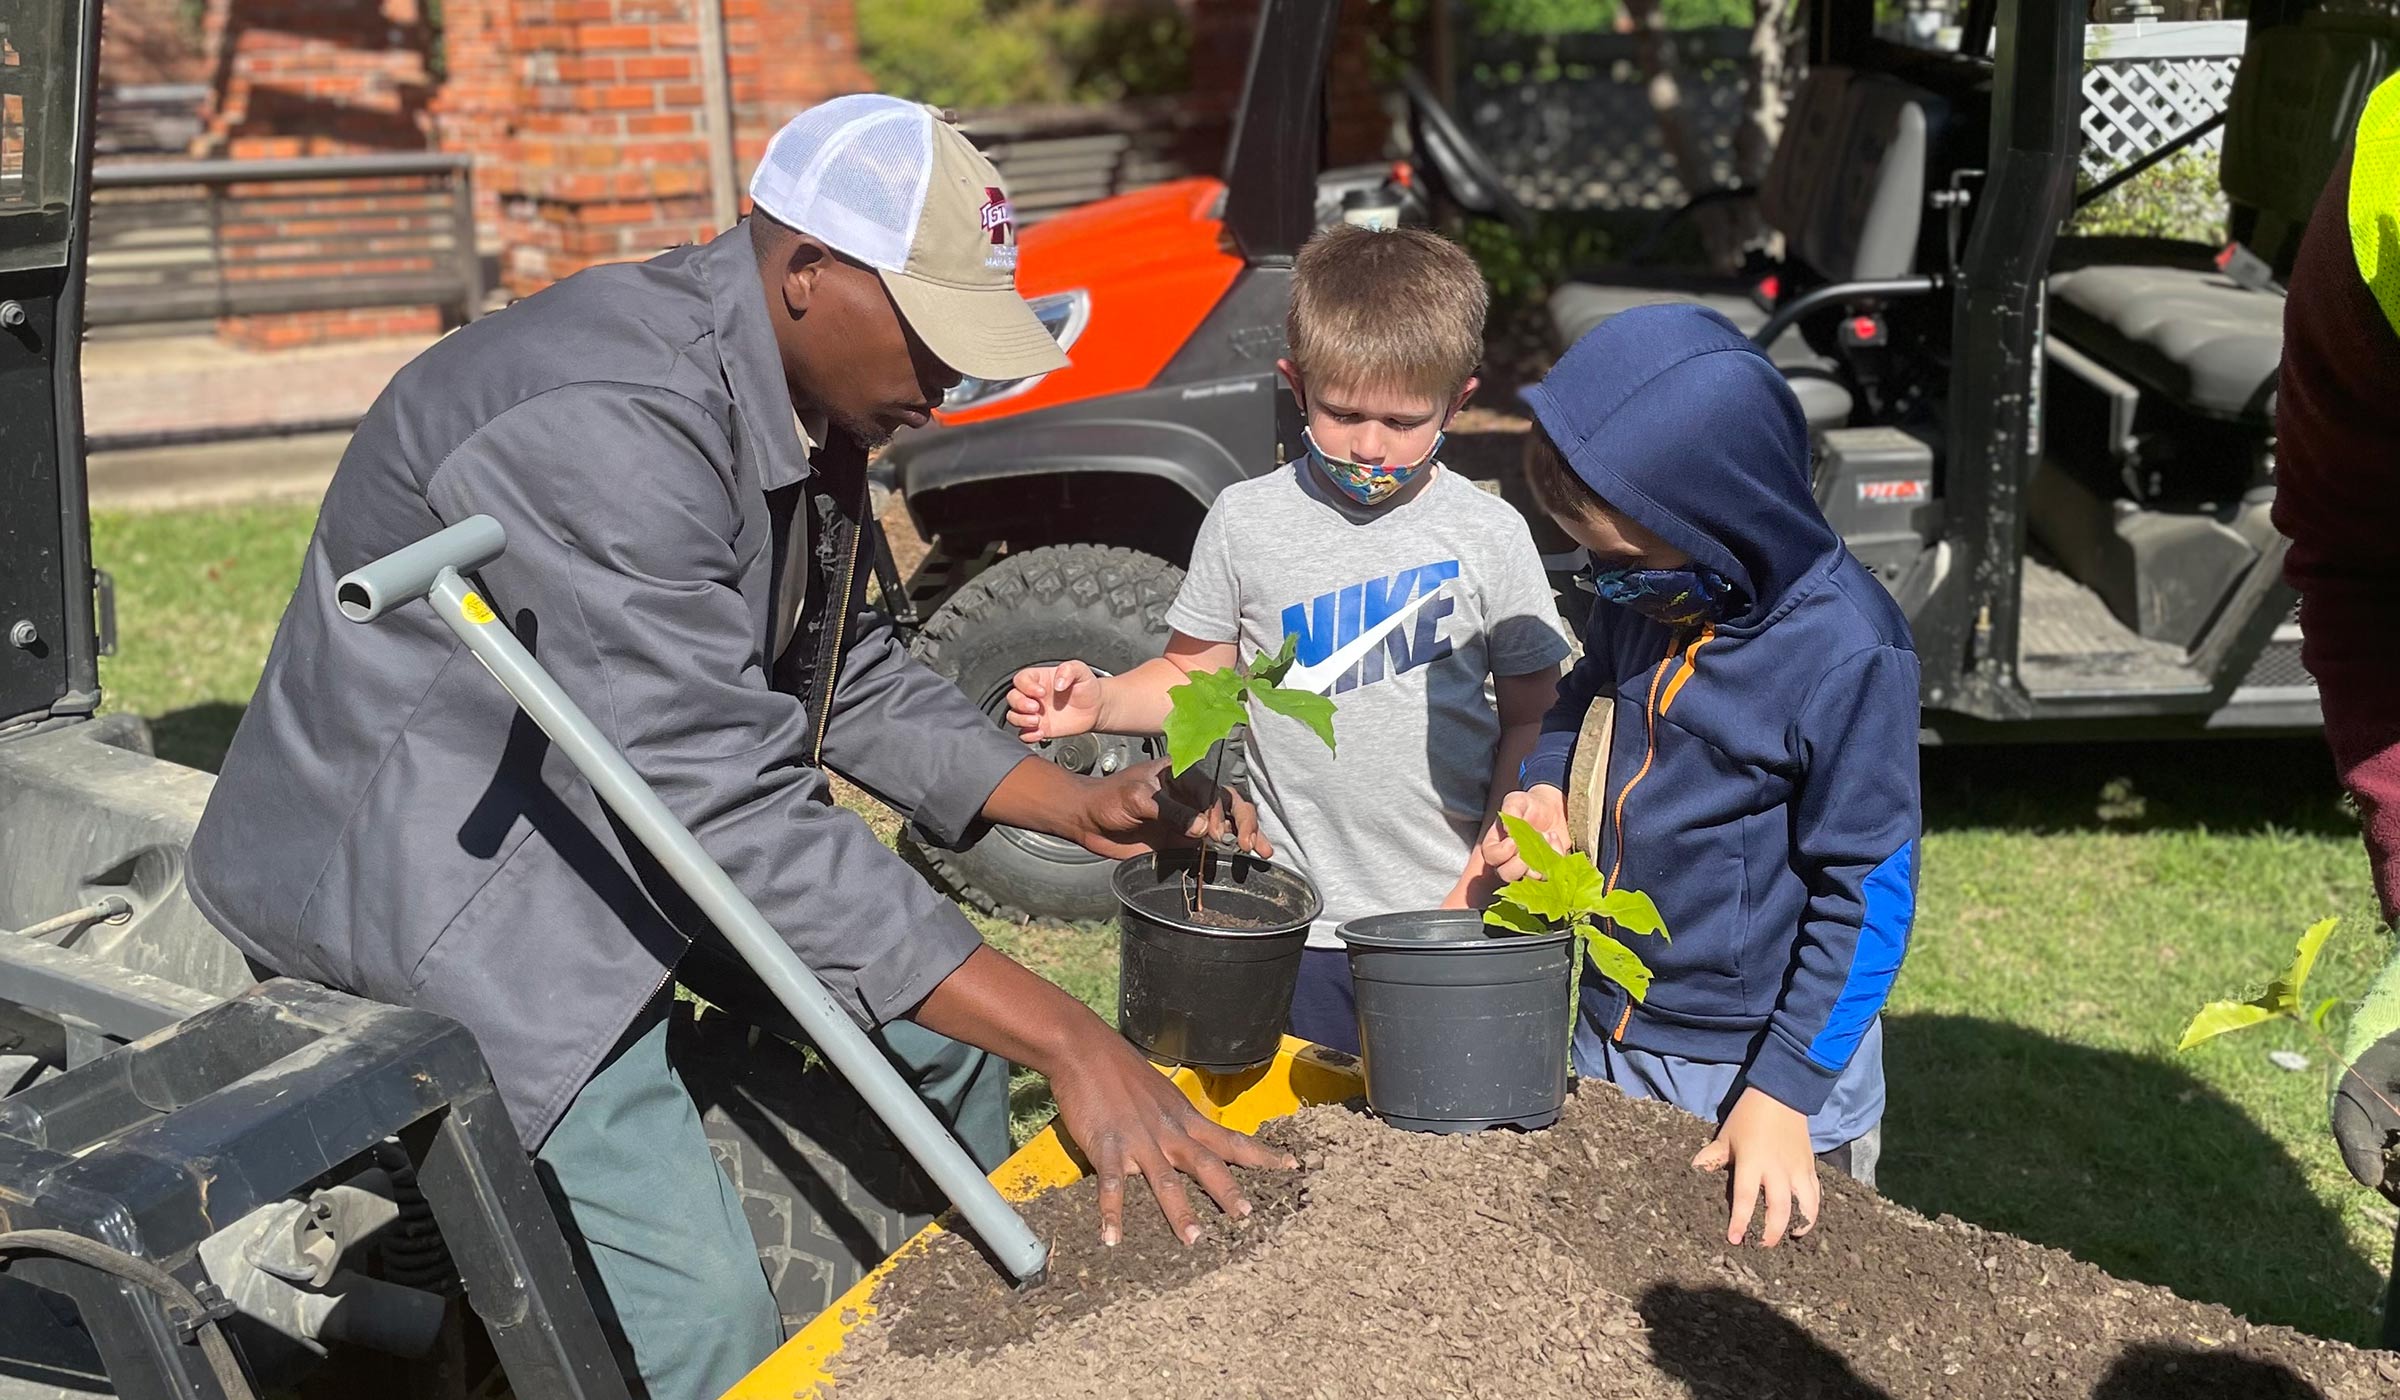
(1586, 1260)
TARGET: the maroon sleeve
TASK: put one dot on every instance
(2337, 498)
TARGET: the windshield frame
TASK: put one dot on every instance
(45, 45)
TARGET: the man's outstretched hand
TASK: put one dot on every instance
(1127, 813)
(1130, 1121)
(1125, 1116)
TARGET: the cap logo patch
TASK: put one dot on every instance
(1000, 220)
(999, 216)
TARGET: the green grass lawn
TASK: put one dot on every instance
(2078, 903)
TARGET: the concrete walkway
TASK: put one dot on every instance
(178, 383)
(215, 474)
(137, 386)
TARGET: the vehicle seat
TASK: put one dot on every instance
(1846, 189)
(2195, 336)
(1576, 307)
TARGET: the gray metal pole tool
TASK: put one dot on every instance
(433, 569)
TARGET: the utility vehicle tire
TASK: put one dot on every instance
(1067, 602)
(827, 1190)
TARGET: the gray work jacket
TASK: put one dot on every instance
(388, 823)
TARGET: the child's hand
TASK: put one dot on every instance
(1766, 1143)
(1052, 702)
(1545, 809)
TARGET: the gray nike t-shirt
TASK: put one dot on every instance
(1430, 598)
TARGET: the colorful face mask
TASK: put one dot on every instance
(1365, 484)
(1678, 597)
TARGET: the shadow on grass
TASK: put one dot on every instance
(2126, 1163)
(2245, 785)
(196, 737)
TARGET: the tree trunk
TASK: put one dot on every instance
(1724, 228)
(1766, 80)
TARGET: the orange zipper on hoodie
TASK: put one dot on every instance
(1652, 708)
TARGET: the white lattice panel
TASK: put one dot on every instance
(2132, 109)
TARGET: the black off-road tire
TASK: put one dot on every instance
(826, 1188)
(1090, 603)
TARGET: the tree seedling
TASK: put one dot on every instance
(2283, 1000)
(1204, 712)
(1565, 890)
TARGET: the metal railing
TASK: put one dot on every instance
(182, 240)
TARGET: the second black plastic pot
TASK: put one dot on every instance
(1462, 1026)
(1191, 991)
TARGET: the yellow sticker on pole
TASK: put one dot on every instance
(478, 611)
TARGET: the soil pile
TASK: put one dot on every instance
(1587, 1260)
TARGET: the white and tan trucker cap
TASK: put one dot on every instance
(892, 184)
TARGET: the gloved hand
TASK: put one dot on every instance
(2365, 1123)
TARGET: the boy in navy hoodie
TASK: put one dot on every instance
(1762, 784)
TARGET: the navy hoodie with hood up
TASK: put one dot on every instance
(1762, 785)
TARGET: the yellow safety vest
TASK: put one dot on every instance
(2375, 197)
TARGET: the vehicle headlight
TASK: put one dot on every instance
(1063, 314)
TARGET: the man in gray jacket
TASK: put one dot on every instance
(678, 451)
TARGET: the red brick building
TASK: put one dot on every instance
(589, 121)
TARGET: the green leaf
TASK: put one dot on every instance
(1275, 668)
(2324, 1009)
(1633, 911)
(2304, 957)
(1516, 918)
(1201, 712)
(1554, 899)
(2219, 1017)
(1568, 885)
(2282, 996)
(1315, 711)
(1617, 963)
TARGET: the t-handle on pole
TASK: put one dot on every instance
(433, 568)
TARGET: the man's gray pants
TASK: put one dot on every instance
(659, 1237)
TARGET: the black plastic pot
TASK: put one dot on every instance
(1189, 993)
(1462, 1026)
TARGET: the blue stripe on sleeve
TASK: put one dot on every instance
(1889, 897)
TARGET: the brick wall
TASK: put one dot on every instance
(586, 118)
(587, 121)
(474, 110)
(317, 77)
(1358, 129)
(785, 56)
(1222, 33)
(143, 42)
(296, 78)
(606, 160)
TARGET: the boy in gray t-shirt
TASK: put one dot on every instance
(1418, 600)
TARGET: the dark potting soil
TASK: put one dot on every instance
(1587, 1260)
(951, 1301)
(1236, 923)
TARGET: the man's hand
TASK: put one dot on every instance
(1766, 1144)
(1053, 702)
(1129, 1120)
(1545, 809)
(1127, 813)
(1142, 808)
